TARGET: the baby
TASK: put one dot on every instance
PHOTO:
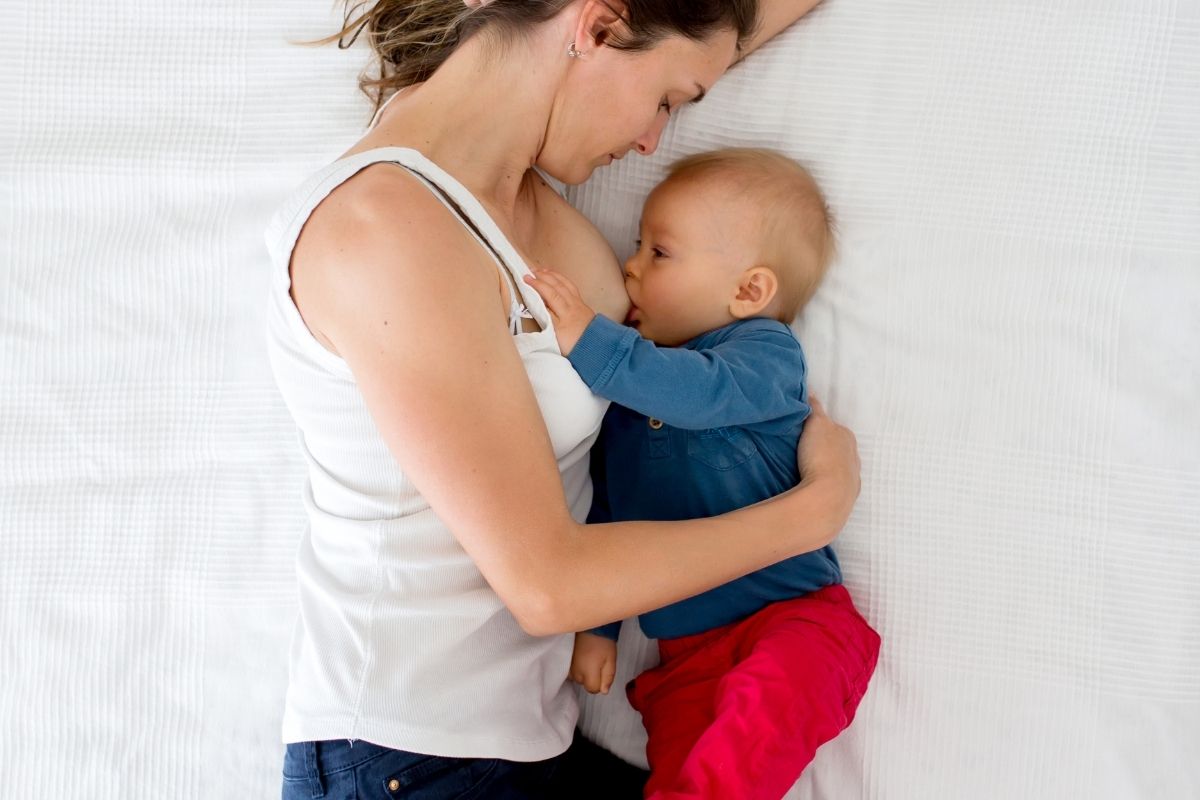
(709, 397)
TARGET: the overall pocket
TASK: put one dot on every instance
(720, 448)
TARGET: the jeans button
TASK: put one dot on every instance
(393, 785)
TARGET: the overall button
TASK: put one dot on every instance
(658, 438)
(393, 785)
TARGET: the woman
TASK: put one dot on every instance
(444, 568)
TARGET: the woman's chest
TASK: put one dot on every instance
(551, 234)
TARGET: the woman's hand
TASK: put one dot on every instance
(828, 457)
(571, 315)
(594, 662)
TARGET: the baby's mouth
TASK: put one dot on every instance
(633, 318)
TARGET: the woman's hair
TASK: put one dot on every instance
(797, 228)
(411, 38)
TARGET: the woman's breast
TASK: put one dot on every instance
(557, 236)
(560, 238)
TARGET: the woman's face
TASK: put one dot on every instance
(613, 102)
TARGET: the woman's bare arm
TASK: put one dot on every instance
(410, 302)
(773, 17)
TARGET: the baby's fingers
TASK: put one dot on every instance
(593, 683)
(549, 293)
(559, 281)
(606, 676)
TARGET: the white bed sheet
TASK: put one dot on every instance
(1011, 329)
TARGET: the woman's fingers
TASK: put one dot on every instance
(829, 452)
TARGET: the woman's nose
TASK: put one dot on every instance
(647, 143)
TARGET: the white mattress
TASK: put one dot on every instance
(1011, 329)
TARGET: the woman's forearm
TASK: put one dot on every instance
(590, 575)
(774, 16)
(618, 570)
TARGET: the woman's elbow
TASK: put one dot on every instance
(544, 598)
(540, 611)
(537, 617)
(549, 599)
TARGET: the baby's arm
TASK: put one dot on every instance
(755, 374)
(594, 662)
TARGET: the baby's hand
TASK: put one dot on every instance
(571, 315)
(594, 663)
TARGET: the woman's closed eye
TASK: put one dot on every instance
(665, 105)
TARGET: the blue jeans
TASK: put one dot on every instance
(337, 770)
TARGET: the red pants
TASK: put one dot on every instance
(738, 712)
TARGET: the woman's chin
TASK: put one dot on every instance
(585, 171)
(569, 174)
(589, 169)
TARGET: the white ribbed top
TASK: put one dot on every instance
(400, 640)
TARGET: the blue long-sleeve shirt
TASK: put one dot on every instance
(695, 431)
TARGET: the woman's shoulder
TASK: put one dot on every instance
(374, 235)
(375, 189)
(381, 205)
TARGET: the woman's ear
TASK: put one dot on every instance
(596, 22)
(756, 288)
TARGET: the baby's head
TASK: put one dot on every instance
(730, 234)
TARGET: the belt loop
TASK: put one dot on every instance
(314, 769)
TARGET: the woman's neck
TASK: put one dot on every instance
(481, 118)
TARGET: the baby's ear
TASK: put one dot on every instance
(756, 289)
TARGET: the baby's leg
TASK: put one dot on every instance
(676, 700)
(799, 669)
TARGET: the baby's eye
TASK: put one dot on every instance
(654, 251)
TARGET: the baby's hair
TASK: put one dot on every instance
(798, 239)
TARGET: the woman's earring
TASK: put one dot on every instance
(572, 52)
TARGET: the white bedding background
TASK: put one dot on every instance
(1011, 329)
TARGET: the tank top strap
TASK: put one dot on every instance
(516, 309)
(383, 105)
(284, 229)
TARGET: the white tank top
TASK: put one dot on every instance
(400, 641)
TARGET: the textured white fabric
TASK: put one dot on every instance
(1010, 328)
(400, 640)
